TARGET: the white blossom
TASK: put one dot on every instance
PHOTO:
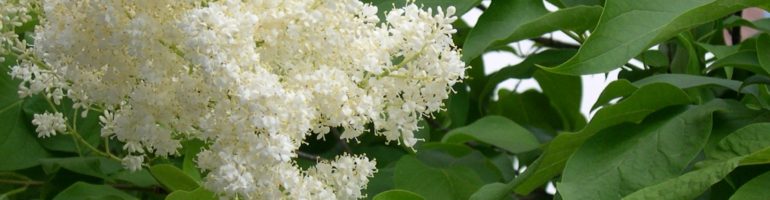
(133, 163)
(49, 123)
(253, 79)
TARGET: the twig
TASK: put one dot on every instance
(308, 156)
(435, 125)
(342, 143)
(22, 182)
(481, 7)
(554, 43)
(735, 32)
(154, 189)
(573, 35)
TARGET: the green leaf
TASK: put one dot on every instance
(688, 186)
(498, 22)
(756, 188)
(459, 106)
(763, 51)
(504, 163)
(746, 59)
(492, 191)
(531, 109)
(495, 130)
(719, 51)
(197, 194)
(99, 167)
(726, 123)
(622, 159)
(636, 107)
(141, 178)
(745, 146)
(398, 195)
(762, 24)
(18, 133)
(384, 154)
(511, 21)
(435, 183)
(88, 127)
(736, 21)
(173, 178)
(565, 94)
(627, 28)
(191, 149)
(382, 180)
(525, 69)
(616, 89)
(462, 6)
(444, 156)
(686, 59)
(570, 3)
(579, 19)
(82, 190)
(745, 141)
(685, 81)
(653, 58)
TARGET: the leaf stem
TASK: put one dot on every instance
(72, 131)
(21, 182)
(341, 142)
(308, 156)
(74, 124)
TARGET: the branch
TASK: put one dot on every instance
(342, 143)
(22, 182)
(434, 125)
(481, 7)
(735, 32)
(549, 42)
(308, 156)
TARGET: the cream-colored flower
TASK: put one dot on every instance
(253, 79)
(49, 123)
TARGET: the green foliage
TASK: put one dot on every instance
(197, 194)
(435, 183)
(81, 190)
(628, 157)
(689, 185)
(500, 18)
(627, 28)
(754, 189)
(398, 195)
(17, 131)
(172, 178)
(682, 125)
(510, 21)
(635, 108)
(497, 131)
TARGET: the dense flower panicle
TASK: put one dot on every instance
(252, 79)
(49, 123)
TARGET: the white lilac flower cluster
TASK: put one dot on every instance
(49, 123)
(251, 78)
